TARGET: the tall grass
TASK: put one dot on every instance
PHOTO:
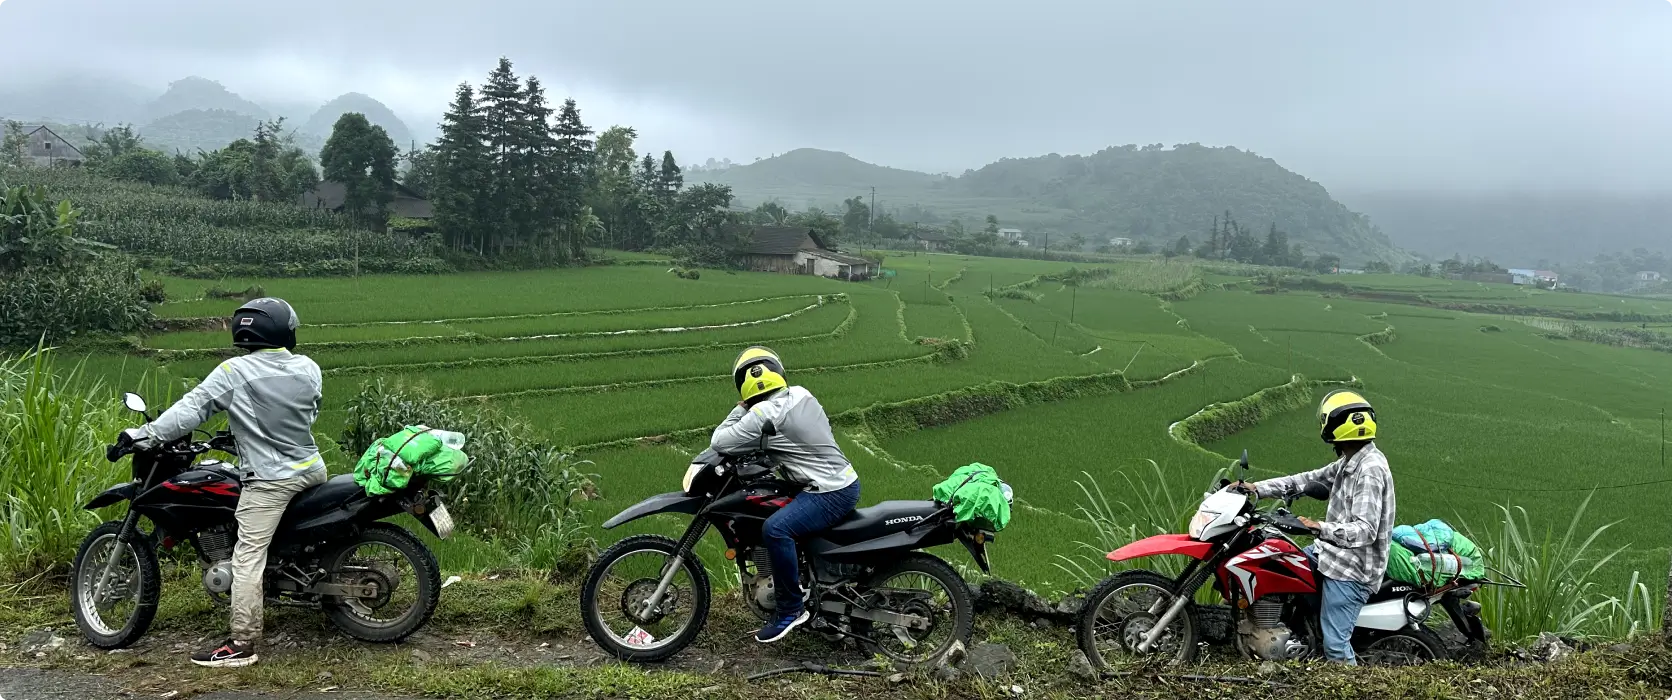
(1154, 508)
(54, 424)
(1559, 569)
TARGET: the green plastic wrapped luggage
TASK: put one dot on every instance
(388, 465)
(977, 496)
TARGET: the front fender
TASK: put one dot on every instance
(675, 502)
(1163, 544)
(113, 495)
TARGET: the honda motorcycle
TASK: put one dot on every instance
(866, 578)
(374, 580)
(1271, 586)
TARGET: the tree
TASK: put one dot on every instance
(142, 165)
(361, 157)
(112, 144)
(461, 171)
(992, 226)
(511, 189)
(955, 230)
(1276, 248)
(669, 180)
(1078, 241)
(420, 174)
(1327, 263)
(1182, 247)
(573, 172)
(826, 227)
(770, 213)
(886, 226)
(1143, 248)
(12, 147)
(267, 167)
(617, 197)
(855, 218)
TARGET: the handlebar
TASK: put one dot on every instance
(125, 446)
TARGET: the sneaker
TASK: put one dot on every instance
(229, 655)
(780, 627)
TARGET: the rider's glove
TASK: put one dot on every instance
(141, 440)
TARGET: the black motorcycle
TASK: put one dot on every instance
(647, 597)
(374, 580)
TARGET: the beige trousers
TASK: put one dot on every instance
(260, 508)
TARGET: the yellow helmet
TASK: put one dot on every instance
(1344, 416)
(758, 372)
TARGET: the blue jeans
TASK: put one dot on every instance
(807, 514)
(1342, 601)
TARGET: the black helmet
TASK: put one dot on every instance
(263, 324)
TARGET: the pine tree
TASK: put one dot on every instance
(461, 162)
(537, 162)
(574, 176)
(503, 105)
(670, 179)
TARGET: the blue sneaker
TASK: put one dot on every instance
(780, 627)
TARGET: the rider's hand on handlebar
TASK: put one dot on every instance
(1308, 522)
(1244, 487)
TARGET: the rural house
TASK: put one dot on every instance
(1648, 276)
(929, 240)
(1120, 243)
(798, 251)
(45, 148)
(1010, 234)
(331, 195)
(1542, 278)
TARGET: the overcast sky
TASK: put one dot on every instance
(1401, 94)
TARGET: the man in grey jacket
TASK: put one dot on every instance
(271, 398)
(797, 435)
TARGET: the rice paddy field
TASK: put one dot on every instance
(1476, 409)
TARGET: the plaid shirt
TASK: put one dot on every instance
(1353, 538)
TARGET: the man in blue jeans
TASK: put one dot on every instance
(802, 444)
(1352, 545)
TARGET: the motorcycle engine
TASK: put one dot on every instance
(217, 579)
(1265, 636)
(215, 544)
(761, 589)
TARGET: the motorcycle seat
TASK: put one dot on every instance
(338, 490)
(875, 521)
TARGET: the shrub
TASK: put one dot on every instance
(143, 165)
(519, 489)
(153, 292)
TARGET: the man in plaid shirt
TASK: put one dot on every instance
(1352, 544)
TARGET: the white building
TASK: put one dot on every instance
(1010, 234)
(1120, 243)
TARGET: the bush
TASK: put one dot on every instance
(153, 292)
(61, 304)
(142, 165)
(518, 489)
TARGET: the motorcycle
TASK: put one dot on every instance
(1272, 589)
(376, 581)
(866, 578)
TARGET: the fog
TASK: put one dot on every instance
(1486, 94)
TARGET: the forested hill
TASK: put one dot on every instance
(1147, 193)
(1521, 229)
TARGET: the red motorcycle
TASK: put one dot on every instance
(1271, 586)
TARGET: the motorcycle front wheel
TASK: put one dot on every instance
(114, 610)
(1122, 610)
(614, 601)
(402, 570)
(1398, 648)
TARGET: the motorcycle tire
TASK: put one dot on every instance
(1086, 625)
(1427, 647)
(963, 607)
(591, 615)
(148, 576)
(427, 577)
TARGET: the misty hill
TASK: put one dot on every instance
(1152, 194)
(1519, 229)
(325, 118)
(196, 93)
(208, 129)
(74, 99)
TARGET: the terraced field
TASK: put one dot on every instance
(1478, 408)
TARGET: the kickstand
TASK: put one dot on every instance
(809, 667)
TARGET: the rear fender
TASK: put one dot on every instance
(675, 502)
(913, 538)
(977, 545)
(113, 495)
(1163, 544)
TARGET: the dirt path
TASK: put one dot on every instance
(47, 684)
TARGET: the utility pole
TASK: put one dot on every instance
(872, 224)
(1073, 301)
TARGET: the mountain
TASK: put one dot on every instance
(1150, 194)
(196, 93)
(74, 99)
(1521, 229)
(208, 129)
(326, 117)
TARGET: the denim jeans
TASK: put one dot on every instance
(807, 514)
(1342, 601)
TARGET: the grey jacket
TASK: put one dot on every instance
(271, 398)
(803, 445)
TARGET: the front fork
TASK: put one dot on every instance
(1193, 577)
(686, 548)
(130, 524)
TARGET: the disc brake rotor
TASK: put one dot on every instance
(634, 596)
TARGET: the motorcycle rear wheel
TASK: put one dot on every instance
(360, 618)
(1398, 648)
(136, 576)
(1116, 612)
(951, 618)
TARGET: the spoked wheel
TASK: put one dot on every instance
(615, 602)
(1122, 610)
(933, 606)
(401, 573)
(114, 585)
(1401, 648)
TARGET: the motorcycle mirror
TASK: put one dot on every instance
(134, 402)
(1244, 461)
(1316, 490)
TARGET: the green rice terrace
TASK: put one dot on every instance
(1109, 414)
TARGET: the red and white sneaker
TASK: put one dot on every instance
(228, 655)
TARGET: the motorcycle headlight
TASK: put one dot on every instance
(1200, 522)
(691, 475)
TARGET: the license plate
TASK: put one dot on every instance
(442, 520)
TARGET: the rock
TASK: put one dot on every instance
(1043, 623)
(718, 667)
(955, 655)
(40, 641)
(1268, 668)
(1016, 690)
(1550, 647)
(1080, 667)
(1621, 648)
(1004, 595)
(1070, 605)
(420, 656)
(947, 674)
(710, 689)
(990, 660)
(897, 678)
